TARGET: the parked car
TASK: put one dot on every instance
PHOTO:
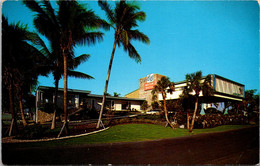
(153, 112)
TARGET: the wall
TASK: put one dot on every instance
(135, 105)
(118, 105)
(146, 87)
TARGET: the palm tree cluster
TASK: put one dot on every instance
(66, 27)
(20, 67)
(196, 84)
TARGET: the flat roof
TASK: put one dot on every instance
(116, 98)
(88, 93)
(61, 89)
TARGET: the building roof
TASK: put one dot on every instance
(132, 91)
(44, 88)
(116, 98)
(61, 89)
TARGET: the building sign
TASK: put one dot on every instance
(149, 82)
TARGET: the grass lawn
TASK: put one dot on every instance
(129, 133)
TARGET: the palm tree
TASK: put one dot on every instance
(71, 25)
(20, 63)
(52, 64)
(163, 86)
(73, 63)
(116, 94)
(123, 19)
(196, 84)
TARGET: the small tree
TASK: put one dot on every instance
(163, 86)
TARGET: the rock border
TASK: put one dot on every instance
(12, 140)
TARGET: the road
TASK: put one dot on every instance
(231, 147)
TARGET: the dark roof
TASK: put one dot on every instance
(42, 88)
(61, 89)
(115, 98)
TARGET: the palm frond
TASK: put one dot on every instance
(90, 38)
(78, 60)
(109, 12)
(33, 6)
(77, 74)
(137, 35)
(133, 53)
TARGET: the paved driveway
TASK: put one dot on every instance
(232, 147)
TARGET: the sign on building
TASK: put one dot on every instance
(149, 82)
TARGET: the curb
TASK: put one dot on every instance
(10, 140)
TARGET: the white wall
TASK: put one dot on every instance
(135, 105)
(118, 105)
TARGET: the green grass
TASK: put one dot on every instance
(129, 133)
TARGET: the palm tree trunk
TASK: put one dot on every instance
(188, 120)
(194, 114)
(166, 112)
(21, 109)
(65, 93)
(53, 124)
(13, 126)
(106, 85)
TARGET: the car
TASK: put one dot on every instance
(153, 112)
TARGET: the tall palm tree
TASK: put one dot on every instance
(124, 20)
(71, 25)
(20, 63)
(196, 84)
(54, 65)
(163, 86)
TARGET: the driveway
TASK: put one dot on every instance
(231, 147)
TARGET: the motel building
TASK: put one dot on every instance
(224, 90)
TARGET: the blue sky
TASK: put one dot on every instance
(216, 37)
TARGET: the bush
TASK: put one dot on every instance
(47, 107)
(32, 132)
(92, 114)
(214, 120)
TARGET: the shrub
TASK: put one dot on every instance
(32, 132)
(92, 113)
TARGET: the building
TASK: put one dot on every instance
(224, 89)
(79, 98)
(146, 85)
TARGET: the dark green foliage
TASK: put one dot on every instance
(144, 105)
(151, 117)
(213, 120)
(92, 113)
(32, 132)
(212, 111)
(47, 107)
(155, 105)
(174, 105)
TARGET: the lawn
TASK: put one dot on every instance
(129, 133)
